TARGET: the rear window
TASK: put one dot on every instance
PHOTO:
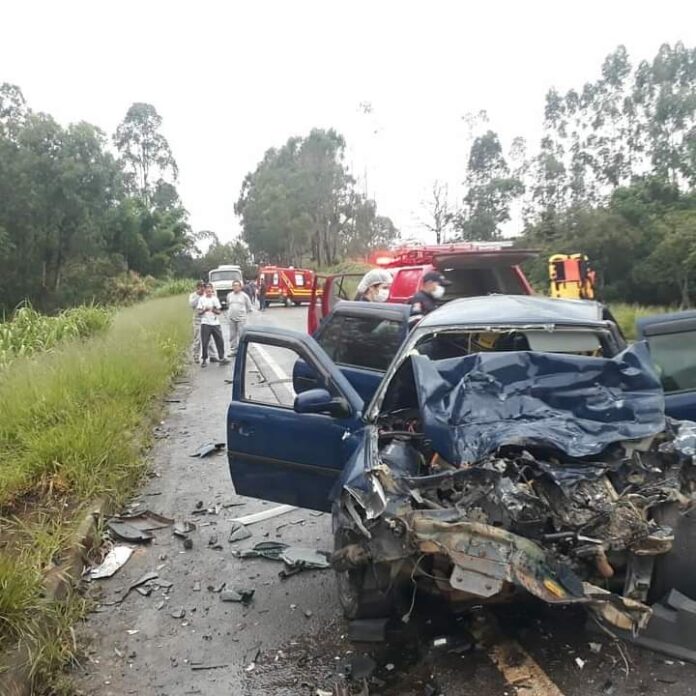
(454, 344)
(674, 357)
(472, 282)
(367, 342)
(271, 278)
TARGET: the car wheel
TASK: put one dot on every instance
(676, 569)
(365, 592)
(286, 301)
(297, 304)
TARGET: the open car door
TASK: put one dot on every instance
(672, 342)
(327, 291)
(285, 447)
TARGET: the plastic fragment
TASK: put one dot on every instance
(115, 559)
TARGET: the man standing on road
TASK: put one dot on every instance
(262, 294)
(433, 289)
(193, 304)
(209, 310)
(238, 308)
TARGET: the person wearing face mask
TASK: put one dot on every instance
(374, 286)
(432, 290)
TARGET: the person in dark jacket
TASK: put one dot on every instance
(262, 294)
(432, 290)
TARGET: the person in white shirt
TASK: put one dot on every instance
(193, 304)
(209, 310)
(238, 308)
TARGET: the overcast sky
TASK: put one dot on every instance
(231, 79)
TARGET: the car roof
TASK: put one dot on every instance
(514, 310)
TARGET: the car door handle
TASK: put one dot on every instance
(243, 429)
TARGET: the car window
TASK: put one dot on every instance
(268, 374)
(673, 355)
(299, 279)
(367, 342)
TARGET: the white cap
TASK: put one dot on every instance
(374, 277)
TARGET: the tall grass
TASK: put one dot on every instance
(73, 424)
(30, 332)
(173, 286)
(627, 314)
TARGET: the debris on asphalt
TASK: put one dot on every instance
(308, 613)
(142, 580)
(202, 667)
(238, 594)
(238, 532)
(217, 588)
(208, 448)
(183, 528)
(596, 648)
(115, 559)
(197, 586)
(128, 532)
(271, 550)
(296, 558)
(579, 662)
(188, 543)
(178, 613)
(145, 519)
(265, 514)
(144, 590)
(213, 542)
(368, 630)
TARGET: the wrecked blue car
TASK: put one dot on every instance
(513, 445)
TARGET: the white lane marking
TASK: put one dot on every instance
(264, 514)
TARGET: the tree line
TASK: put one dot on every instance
(301, 204)
(75, 213)
(614, 177)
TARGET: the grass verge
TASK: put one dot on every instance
(73, 425)
(627, 314)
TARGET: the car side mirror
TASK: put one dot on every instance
(320, 401)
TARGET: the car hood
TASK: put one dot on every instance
(471, 406)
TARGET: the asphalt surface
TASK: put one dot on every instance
(291, 638)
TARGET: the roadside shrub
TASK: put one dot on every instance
(30, 332)
(127, 288)
(174, 286)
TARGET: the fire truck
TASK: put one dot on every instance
(287, 285)
(473, 268)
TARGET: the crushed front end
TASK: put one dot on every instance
(543, 474)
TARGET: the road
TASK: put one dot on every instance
(291, 639)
